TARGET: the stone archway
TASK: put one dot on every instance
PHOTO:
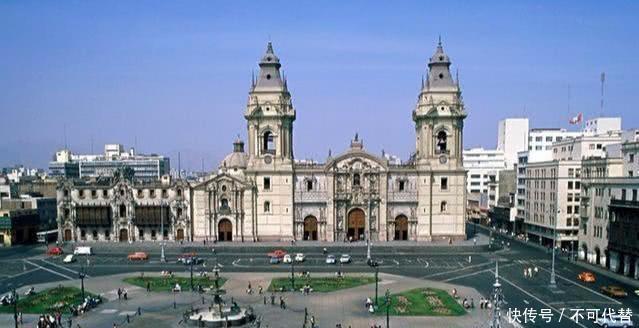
(68, 236)
(401, 228)
(124, 235)
(310, 228)
(225, 230)
(356, 225)
(584, 250)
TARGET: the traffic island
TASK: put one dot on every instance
(319, 284)
(168, 284)
(57, 299)
(420, 302)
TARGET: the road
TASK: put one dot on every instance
(22, 266)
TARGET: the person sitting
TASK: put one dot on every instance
(177, 288)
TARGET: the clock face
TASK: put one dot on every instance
(268, 159)
(443, 159)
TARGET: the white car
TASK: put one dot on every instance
(330, 259)
(287, 258)
(69, 259)
(299, 257)
(614, 320)
(83, 250)
(345, 258)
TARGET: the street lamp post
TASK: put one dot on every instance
(388, 305)
(376, 265)
(15, 307)
(293, 274)
(82, 275)
(192, 260)
(162, 257)
(498, 299)
(553, 281)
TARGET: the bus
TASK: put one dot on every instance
(46, 237)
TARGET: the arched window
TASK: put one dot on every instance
(224, 203)
(179, 212)
(268, 145)
(267, 207)
(442, 142)
(122, 211)
(179, 192)
(66, 213)
(356, 179)
(443, 207)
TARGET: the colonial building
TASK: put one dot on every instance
(124, 209)
(262, 193)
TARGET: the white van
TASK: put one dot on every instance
(83, 250)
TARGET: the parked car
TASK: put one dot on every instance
(55, 251)
(299, 257)
(69, 258)
(83, 250)
(330, 259)
(287, 258)
(345, 258)
(614, 291)
(279, 253)
(274, 260)
(138, 256)
(614, 320)
(586, 276)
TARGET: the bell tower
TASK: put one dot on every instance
(439, 116)
(270, 115)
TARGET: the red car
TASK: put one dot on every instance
(55, 251)
(138, 256)
(278, 253)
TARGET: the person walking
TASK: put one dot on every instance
(148, 286)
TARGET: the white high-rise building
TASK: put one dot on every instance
(512, 138)
(542, 139)
(483, 167)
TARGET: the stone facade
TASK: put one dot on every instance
(120, 209)
(262, 194)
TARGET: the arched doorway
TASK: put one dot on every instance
(356, 225)
(225, 230)
(401, 228)
(584, 250)
(180, 234)
(597, 256)
(124, 235)
(67, 235)
(310, 228)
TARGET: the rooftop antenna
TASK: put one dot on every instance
(603, 80)
(66, 145)
(179, 167)
(91, 144)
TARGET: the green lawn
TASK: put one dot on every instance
(321, 284)
(421, 302)
(161, 284)
(44, 301)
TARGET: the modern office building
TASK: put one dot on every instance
(483, 167)
(145, 167)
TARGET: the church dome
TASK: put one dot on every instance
(238, 159)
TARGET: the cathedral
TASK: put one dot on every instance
(260, 193)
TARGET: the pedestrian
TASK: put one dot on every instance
(536, 270)
(148, 286)
(119, 293)
(115, 325)
(530, 270)
(70, 321)
(125, 294)
(525, 273)
(259, 289)
(470, 259)
(475, 241)
(472, 303)
(272, 299)
(264, 300)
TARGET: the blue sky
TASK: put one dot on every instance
(173, 77)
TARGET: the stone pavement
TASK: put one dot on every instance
(345, 306)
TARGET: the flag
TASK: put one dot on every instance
(577, 119)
